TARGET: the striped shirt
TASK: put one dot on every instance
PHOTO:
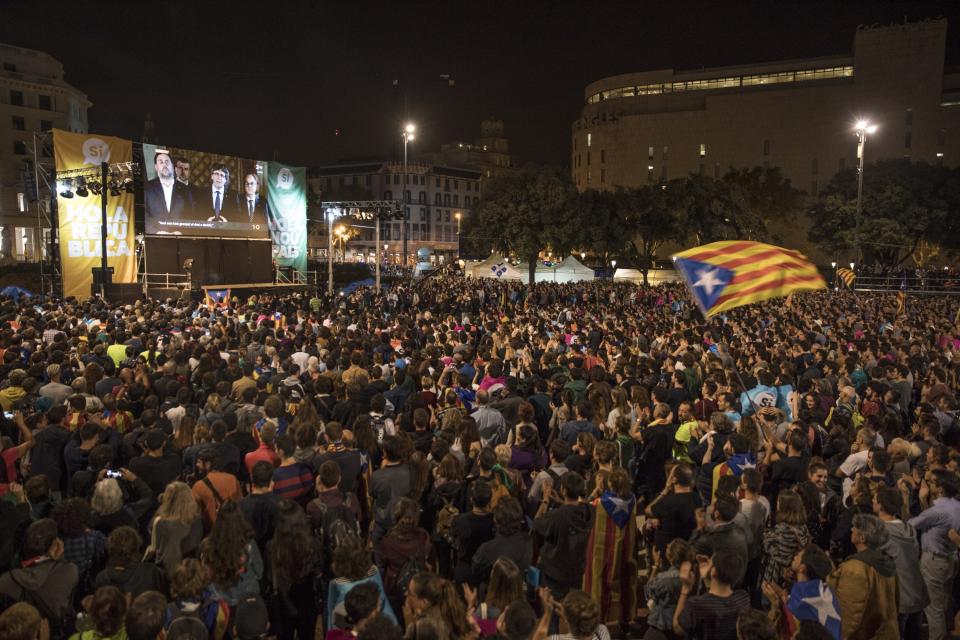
(293, 481)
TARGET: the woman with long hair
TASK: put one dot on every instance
(430, 596)
(504, 586)
(621, 407)
(351, 566)
(231, 556)
(445, 501)
(176, 530)
(527, 454)
(404, 543)
(294, 564)
(788, 536)
(611, 571)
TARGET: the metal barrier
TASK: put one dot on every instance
(164, 280)
(933, 284)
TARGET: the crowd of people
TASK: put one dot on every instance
(459, 459)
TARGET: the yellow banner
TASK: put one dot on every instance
(80, 217)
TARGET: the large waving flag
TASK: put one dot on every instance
(728, 274)
(846, 276)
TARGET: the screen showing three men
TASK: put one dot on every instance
(192, 193)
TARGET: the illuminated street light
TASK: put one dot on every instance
(863, 128)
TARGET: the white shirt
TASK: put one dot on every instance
(850, 467)
(213, 196)
(167, 194)
(251, 205)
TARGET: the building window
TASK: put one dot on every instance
(9, 66)
(19, 148)
(603, 176)
(396, 178)
(603, 156)
(437, 198)
(46, 125)
(406, 195)
(588, 178)
(456, 200)
(423, 214)
(18, 123)
(909, 117)
(16, 98)
(649, 173)
(466, 201)
(22, 202)
(703, 151)
(907, 139)
(663, 173)
(766, 147)
(422, 197)
(665, 152)
(388, 195)
(423, 180)
(456, 185)
(588, 158)
(446, 199)
(814, 168)
(45, 102)
(589, 139)
(438, 182)
(446, 184)
(439, 215)
(649, 153)
(813, 188)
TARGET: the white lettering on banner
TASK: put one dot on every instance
(84, 222)
(91, 248)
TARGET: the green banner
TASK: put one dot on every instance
(287, 213)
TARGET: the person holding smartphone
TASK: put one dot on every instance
(10, 455)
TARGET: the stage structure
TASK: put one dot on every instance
(352, 211)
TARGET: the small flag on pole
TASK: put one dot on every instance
(846, 276)
(729, 274)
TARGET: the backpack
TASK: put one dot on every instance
(336, 525)
(206, 613)
(410, 568)
(445, 517)
(951, 433)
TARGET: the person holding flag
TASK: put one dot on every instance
(810, 597)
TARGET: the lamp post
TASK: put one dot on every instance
(833, 267)
(863, 128)
(376, 244)
(407, 137)
(329, 213)
(458, 216)
(613, 265)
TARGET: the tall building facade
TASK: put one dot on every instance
(436, 200)
(652, 126)
(490, 154)
(34, 98)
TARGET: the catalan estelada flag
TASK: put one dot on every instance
(732, 273)
(610, 573)
(218, 297)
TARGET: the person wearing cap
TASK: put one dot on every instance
(55, 390)
(251, 620)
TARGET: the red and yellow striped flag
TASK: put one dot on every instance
(901, 302)
(846, 276)
(728, 274)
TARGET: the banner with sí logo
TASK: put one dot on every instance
(287, 197)
(80, 217)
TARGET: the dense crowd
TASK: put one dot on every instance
(458, 459)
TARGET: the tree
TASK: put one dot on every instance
(767, 195)
(904, 204)
(650, 218)
(525, 212)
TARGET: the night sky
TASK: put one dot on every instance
(281, 79)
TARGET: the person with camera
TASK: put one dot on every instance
(12, 453)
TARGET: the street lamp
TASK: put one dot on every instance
(863, 128)
(408, 136)
(613, 263)
(583, 256)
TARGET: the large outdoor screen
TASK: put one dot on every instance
(192, 193)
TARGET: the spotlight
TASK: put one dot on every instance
(95, 188)
(82, 188)
(67, 191)
(114, 189)
(128, 185)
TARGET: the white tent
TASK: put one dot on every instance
(570, 270)
(495, 267)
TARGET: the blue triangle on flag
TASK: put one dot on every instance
(706, 281)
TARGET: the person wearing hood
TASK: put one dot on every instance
(44, 578)
(14, 392)
(905, 551)
(564, 533)
(866, 584)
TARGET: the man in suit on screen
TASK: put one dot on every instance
(253, 206)
(219, 201)
(165, 198)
